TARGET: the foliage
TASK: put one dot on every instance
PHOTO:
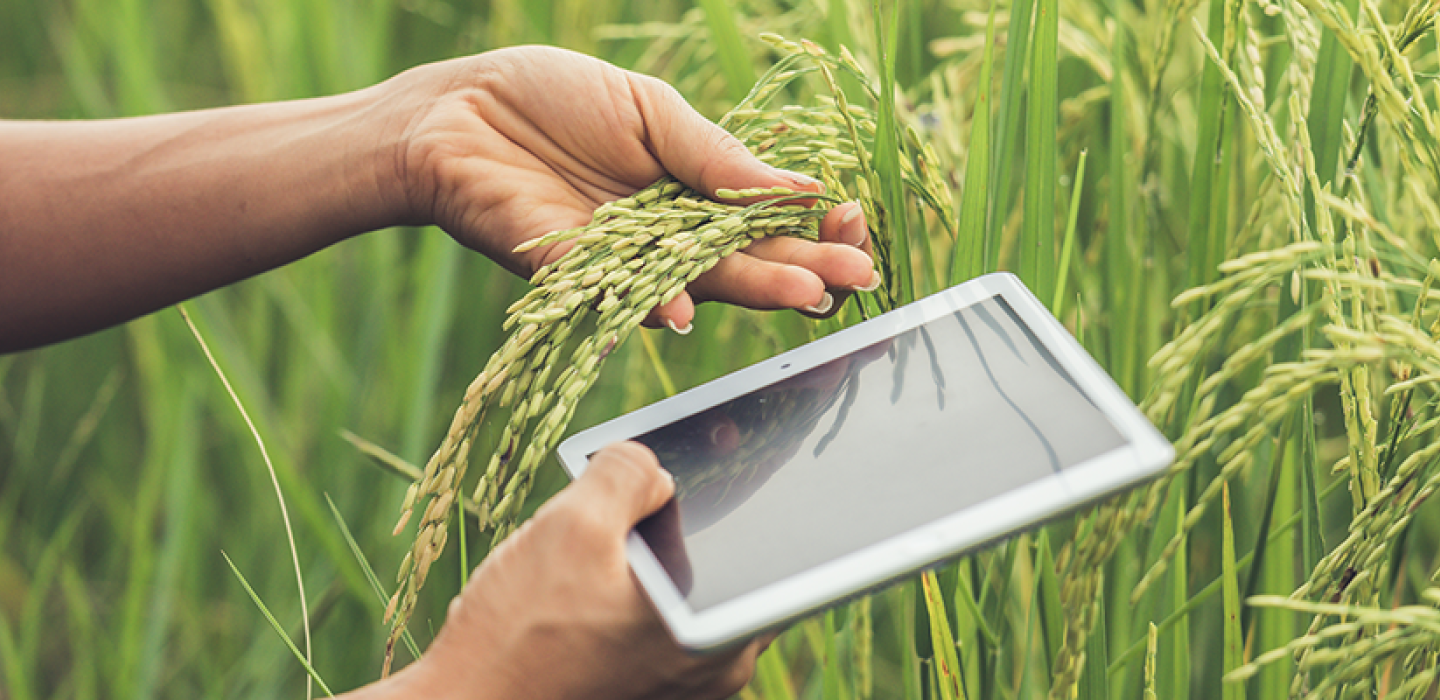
(1277, 158)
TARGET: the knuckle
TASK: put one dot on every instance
(738, 675)
(629, 455)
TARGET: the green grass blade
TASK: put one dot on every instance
(1181, 612)
(434, 280)
(1120, 265)
(1052, 613)
(837, 23)
(275, 624)
(385, 459)
(772, 676)
(942, 642)
(729, 46)
(274, 480)
(966, 600)
(16, 669)
(182, 466)
(1094, 681)
(1067, 249)
(652, 353)
(34, 620)
(833, 671)
(901, 601)
(1312, 538)
(976, 639)
(1177, 672)
(1326, 116)
(1152, 650)
(891, 185)
(1036, 255)
(968, 260)
(861, 628)
(1012, 94)
(1234, 634)
(1276, 574)
(370, 576)
(1207, 157)
(86, 645)
(1028, 662)
(1262, 532)
(838, 32)
(160, 416)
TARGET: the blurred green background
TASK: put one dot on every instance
(125, 470)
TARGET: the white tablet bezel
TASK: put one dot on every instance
(1143, 455)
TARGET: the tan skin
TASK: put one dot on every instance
(555, 613)
(107, 220)
(104, 221)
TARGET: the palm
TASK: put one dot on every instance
(522, 142)
(536, 152)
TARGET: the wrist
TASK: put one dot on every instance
(399, 161)
(372, 143)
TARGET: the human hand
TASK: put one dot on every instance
(555, 613)
(512, 144)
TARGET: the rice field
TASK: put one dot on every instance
(1233, 205)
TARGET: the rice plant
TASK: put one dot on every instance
(1252, 259)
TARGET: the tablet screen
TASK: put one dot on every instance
(863, 448)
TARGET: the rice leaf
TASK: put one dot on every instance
(1234, 635)
(1067, 249)
(17, 674)
(1277, 572)
(833, 668)
(434, 289)
(947, 662)
(734, 60)
(1012, 94)
(275, 624)
(1326, 114)
(1121, 289)
(274, 481)
(891, 186)
(1207, 175)
(772, 676)
(1176, 673)
(652, 353)
(1094, 681)
(1051, 613)
(370, 576)
(972, 632)
(1036, 255)
(968, 260)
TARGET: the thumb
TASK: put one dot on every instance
(625, 482)
(697, 151)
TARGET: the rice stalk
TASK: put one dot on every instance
(1352, 651)
(637, 253)
(308, 658)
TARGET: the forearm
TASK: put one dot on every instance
(103, 221)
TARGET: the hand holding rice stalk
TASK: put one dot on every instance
(637, 253)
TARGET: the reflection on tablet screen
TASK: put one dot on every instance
(863, 448)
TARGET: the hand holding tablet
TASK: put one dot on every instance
(862, 457)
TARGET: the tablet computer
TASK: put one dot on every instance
(872, 453)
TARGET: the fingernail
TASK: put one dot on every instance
(874, 283)
(798, 179)
(682, 331)
(823, 307)
(852, 233)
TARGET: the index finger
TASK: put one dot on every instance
(697, 151)
(624, 482)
